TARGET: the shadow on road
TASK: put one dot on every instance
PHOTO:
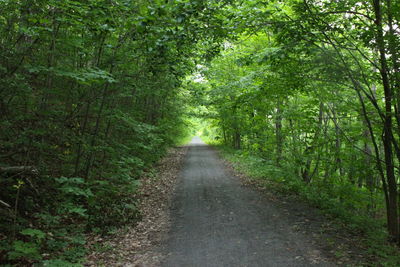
(218, 222)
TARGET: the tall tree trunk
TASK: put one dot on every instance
(393, 220)
(81, 135)
(338, 160)
(309, 151)
(224, 134)
(236, 137)
(278, 131)
(104, 93)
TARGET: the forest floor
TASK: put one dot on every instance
(138, 244)
(217, 217)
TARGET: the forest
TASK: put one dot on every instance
(305, 93)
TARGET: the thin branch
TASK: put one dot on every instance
(348, 12)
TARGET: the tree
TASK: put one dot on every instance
(316, 79)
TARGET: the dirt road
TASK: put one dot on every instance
(219, 222)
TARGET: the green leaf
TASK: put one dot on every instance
(24, 250)
(34, 233)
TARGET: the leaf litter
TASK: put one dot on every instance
(334, 242)
(139, 244)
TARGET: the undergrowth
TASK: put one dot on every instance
(345, 204)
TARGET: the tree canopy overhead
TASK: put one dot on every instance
(89, 99)
(92, 94)
(317, 83)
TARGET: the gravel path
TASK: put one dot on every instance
(218, 222)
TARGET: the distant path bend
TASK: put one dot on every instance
(218, 222)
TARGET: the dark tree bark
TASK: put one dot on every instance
(278, 131)
(393, 219)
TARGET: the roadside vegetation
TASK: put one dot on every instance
(93, 93)
(366, 234)
(309, 104)
(90, 99)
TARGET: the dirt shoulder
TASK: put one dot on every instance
(137, 245)
(228, 214)
(217, 221)
(337, 243)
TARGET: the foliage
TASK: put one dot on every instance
(344, 204)
(90, 98)
(92, 93)
(310, 90)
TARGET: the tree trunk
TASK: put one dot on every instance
(338, 160)
(393, 220)
(278, 132)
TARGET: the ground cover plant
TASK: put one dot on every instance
(90, 98)
(93, 93)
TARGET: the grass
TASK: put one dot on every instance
(343, 204)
